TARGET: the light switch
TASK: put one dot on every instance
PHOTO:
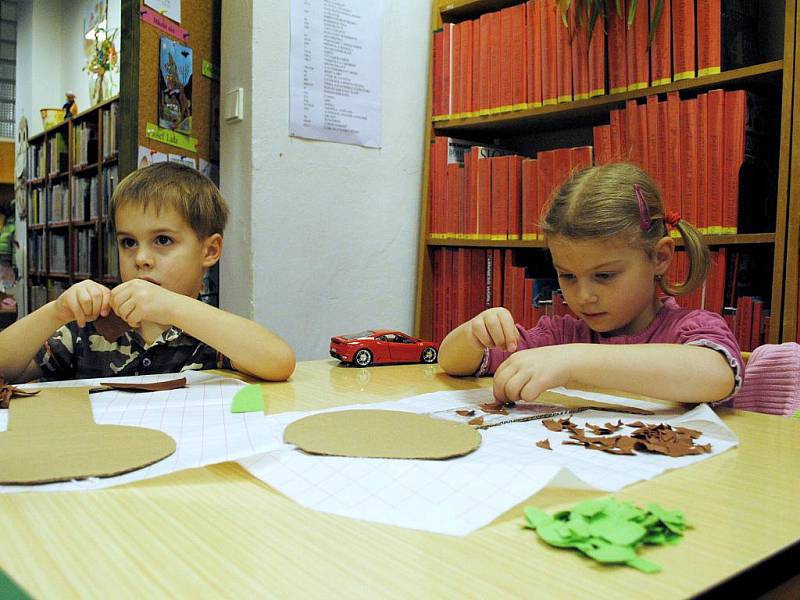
(234, 105)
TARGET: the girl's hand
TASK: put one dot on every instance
(494, 328)
(138, 300)
(83, 302)
(528, 373)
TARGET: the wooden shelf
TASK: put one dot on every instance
(461, 10)
(37, 227)
(58, 225)
(58, 275)
(61, 175)
(90, 222)
(111, 160)
(711, 240)
(590, 112)
(84, 169)
(37, 181)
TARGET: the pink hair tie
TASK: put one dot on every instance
(672, 219)
(644, 211)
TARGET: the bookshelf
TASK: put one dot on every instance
(72, 171)
(527, 129)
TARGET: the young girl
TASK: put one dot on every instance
(608, 235)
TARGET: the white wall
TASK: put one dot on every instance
(323, 237)
(52, 65)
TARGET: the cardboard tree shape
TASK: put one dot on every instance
(53, 437)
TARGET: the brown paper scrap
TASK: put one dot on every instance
(158, 386)
(111, 327)
(8, 391)
(545, 443)
(53, 437)
(381, 434)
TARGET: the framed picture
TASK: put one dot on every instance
(175, 86)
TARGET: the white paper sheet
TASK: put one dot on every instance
(335, 70)
(460, 495)
(455, 496)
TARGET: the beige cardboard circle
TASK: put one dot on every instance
(381, 434)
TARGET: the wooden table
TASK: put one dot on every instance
(218, 531)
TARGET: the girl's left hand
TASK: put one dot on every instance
(527, 373)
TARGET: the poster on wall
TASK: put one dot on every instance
(175, 86)
(168, 8)
(335, 70)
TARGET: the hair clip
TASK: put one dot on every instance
(644, 211)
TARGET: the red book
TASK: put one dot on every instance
(461, 290)
(580, 57)
(530, 216)
(715, 171)
(451, 205)
(683, 39)
(495, 56)
(580, 157)
(702, 163)
(667, 179)
(527, 301)
(635, 142)
(437, 269)
(602, 144)
(508, 281)
(466, 66)
(597, 60)
(544, 189)
(533, 51)
(514, 197)
(756, 326)
(617, 54)
(498, 270)
(561, 167)
(675, 169)
(470, 229)
(456, 72)
(447, 68)
(744, 320)
(549, 25)
(733, 157)
(505, 65)
(643, 137)
(475, 71)
(709, 37)
(637, 58)
(653, 149)
(500, 197)
(563, 61)
(689, 159)
(484, 195)
(436, 67)
(519, 83)
(661, 48)
(617, 140)
(484, 61)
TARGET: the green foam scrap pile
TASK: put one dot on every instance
(609, 531)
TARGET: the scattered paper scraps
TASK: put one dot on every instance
(381, 434)
(54, 437)
(111, 326)
(491, 414)
(159, 386)
(248, 399)
(659, 439)
(8, 391)
(609, 531)
(545, 443)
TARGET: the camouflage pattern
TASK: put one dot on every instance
(82, 353)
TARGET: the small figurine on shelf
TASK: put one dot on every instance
(70, 106)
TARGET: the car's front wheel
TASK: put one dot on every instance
(362, 358)
(429, 355)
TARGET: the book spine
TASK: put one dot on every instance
(661, 48)
(709, 37)
(617, 53)
(683, 39)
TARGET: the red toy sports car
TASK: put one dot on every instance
(382, 346)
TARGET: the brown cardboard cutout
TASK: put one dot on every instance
(53, 437)
(111, 327)
(382, 434)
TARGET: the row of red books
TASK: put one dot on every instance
(694, 149)
(467, 281)
(526, 55)
(479, 192)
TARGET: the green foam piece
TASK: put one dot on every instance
(609, 531)
(248, 399)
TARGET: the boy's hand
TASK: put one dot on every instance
(138, 300)
(83, 302)
(528, 373)
(494, 328)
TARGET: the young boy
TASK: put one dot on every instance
(169, 221)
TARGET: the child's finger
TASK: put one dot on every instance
(510, 332)
(105, 302)
(74, 307)
(494, 325)
(481, 334)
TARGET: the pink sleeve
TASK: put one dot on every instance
(704, 328)
(545, 333)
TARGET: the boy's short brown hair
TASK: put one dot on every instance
(177, 186)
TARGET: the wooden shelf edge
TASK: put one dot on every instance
(609, 101)
(711, 240)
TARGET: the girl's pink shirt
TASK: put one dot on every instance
(671, 325)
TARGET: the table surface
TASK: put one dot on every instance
(219, 531)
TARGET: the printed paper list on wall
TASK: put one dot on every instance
(335, 70)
